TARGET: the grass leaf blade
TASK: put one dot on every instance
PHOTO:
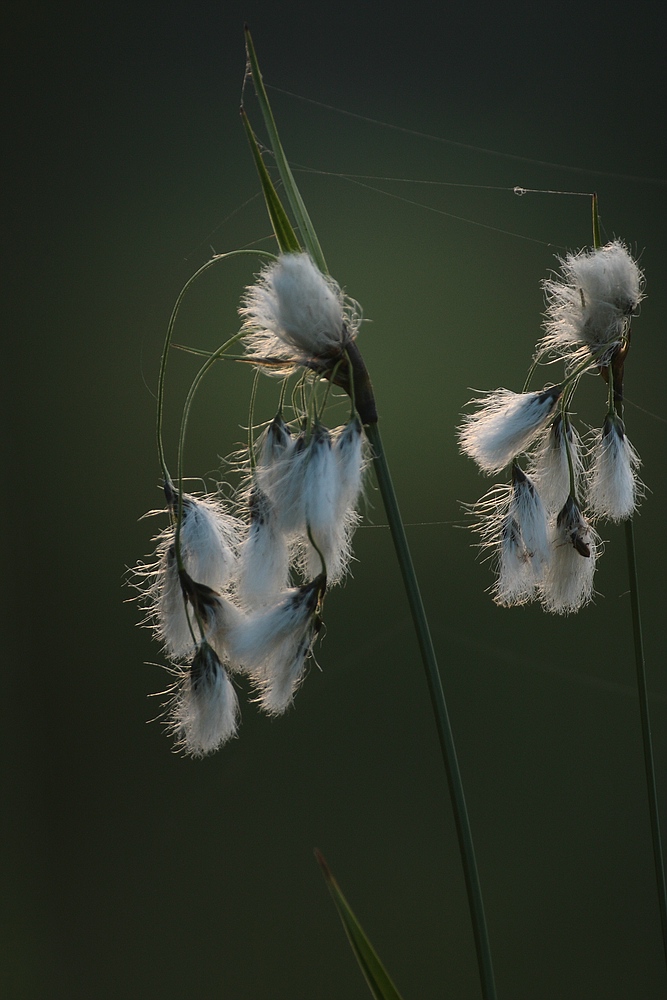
(282, 227)
(296, 201)
(378, 979)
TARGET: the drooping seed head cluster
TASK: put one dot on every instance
(242, 592)
(539, 528)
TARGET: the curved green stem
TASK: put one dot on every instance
(181, 445)
(283, 391)
(532, 369)
(169, 336)
(439, 705)
(208, 364)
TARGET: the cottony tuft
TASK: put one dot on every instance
(294, 313)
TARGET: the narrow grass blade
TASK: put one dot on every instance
(282, 227)
(374, 972)
(306, 229)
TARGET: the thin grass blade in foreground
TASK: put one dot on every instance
(375, 974)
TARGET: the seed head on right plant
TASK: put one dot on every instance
(539, 529)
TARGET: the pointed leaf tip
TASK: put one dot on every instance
(376, 976)
(321, 860)
(282, 228)
(296, 202)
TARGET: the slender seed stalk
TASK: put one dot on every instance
(215, 356)
(211, 359)
(642, 692)
(565, 423)
(649, 764)
(533, 368)
(356, 382)
(208, 364)
(439, 705)
(595, 211)
(616, 400)
(251, 423)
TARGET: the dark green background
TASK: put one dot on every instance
(128, 871)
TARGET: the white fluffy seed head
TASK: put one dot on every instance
(253, 637)
(568, 581)
(273, 644)
(350, 449)
(591, 302)
(512, 523)
(294, 312)
(282, 480)
(265, 555)
(285, 671)
(209, 542)
(209, 549)
(515, 581)
(273, 451)
(172, 624)
(321, 503)
(333, 479)
(549, 467)
(505, 424)
(524, 545)
(528, 512)
(196, 608)
(310, 486)
(613, 486)
(204, 711)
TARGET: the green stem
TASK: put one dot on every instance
(565, 425)
(532, 369)
(644, 715)
(649, 765)
(251, 422)
(439, 705)
(616, 398)
(188, 403)
(568, 455)
(181, 440)
(597, 242)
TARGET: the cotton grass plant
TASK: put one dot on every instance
(238, 583)
(540, 530)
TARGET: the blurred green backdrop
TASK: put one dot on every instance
(130, 871)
